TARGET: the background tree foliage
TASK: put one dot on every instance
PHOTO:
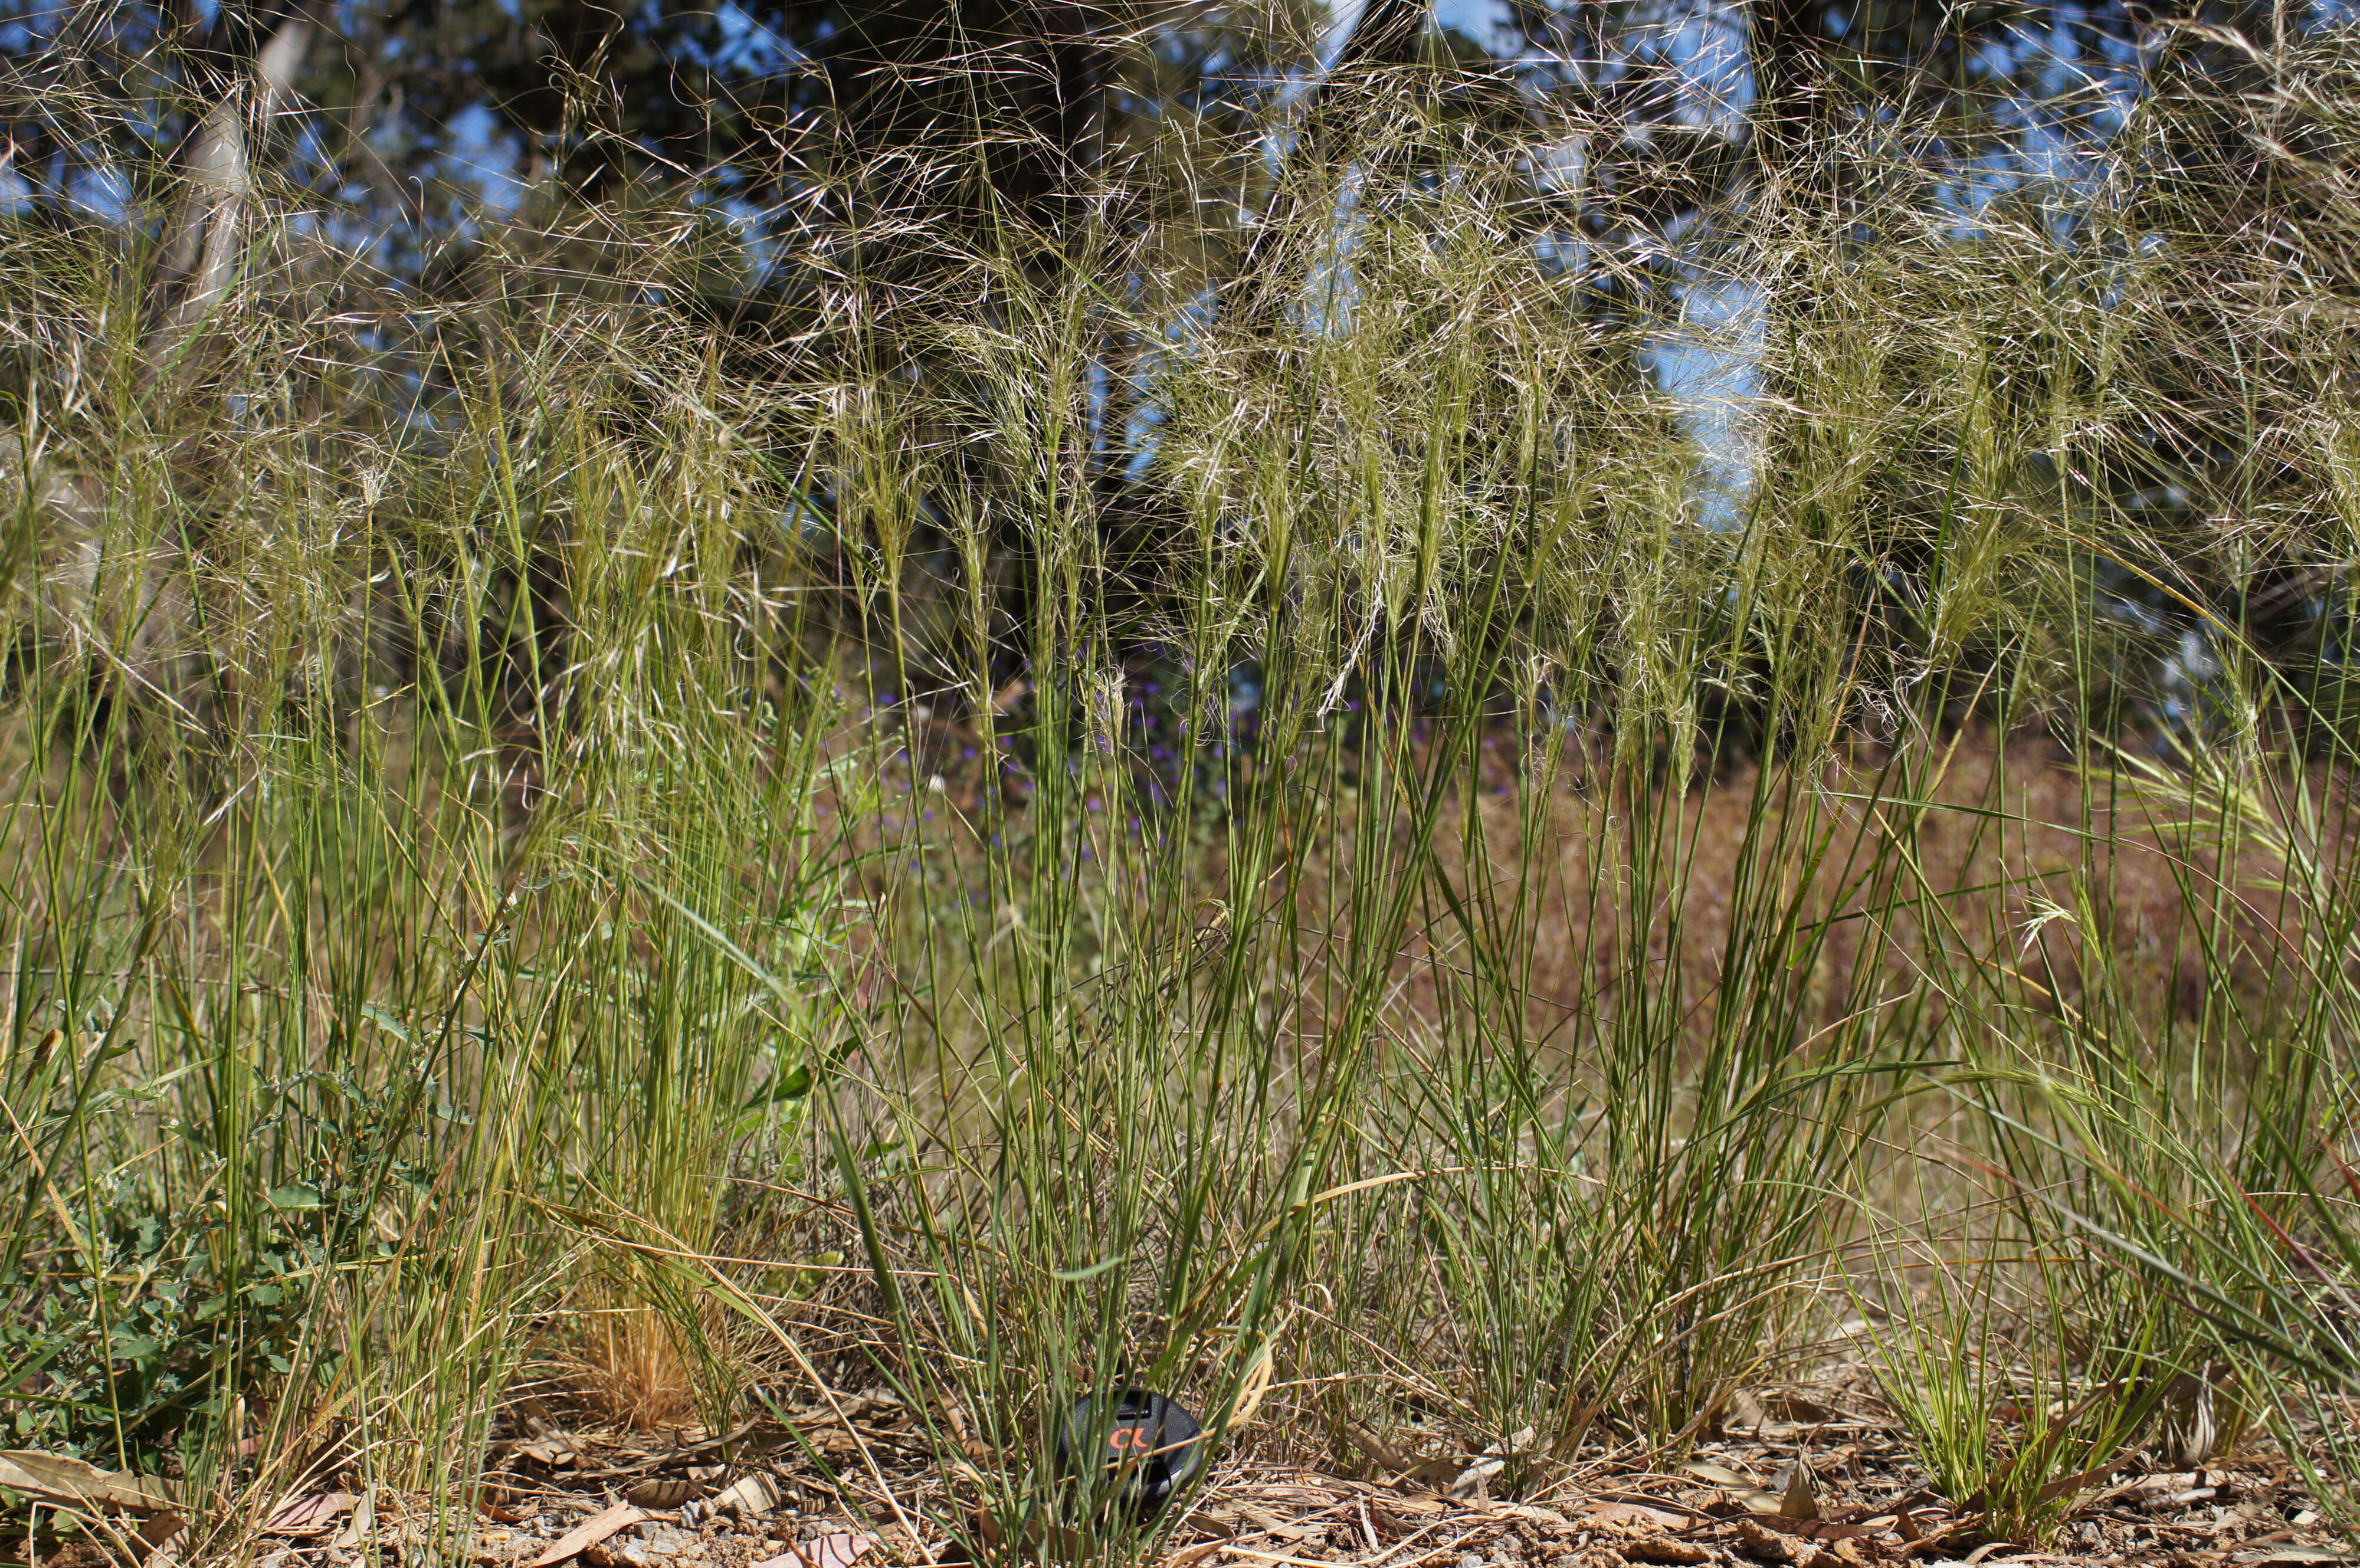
(820, 176)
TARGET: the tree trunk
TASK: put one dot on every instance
(206, 250)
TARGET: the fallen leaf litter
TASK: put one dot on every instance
(1838, 1494)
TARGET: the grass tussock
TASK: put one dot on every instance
(549, 845)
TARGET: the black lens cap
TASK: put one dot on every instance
(1146, 1446)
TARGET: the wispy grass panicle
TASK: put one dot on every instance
(1443, 820)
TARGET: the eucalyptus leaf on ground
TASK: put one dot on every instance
(77, 1484)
